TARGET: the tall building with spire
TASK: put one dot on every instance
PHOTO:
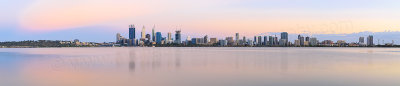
(132, 32)
(143, 32)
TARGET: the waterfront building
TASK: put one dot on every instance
(255, 40)
(313, 41)
(223, 42)
(285, 37)
(297, 42)
(361, 40)
(370, 40)
(213, 40)
(301, 41)
(327, 43)
(132, 31)
(158, 37)
(169, 38)
(259, 40)
(271, 41)
(205, 39)
(265, 40)
(178, 37)
(153, 34)
(230, 40)
(341, 43)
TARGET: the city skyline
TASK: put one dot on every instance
(97, 20)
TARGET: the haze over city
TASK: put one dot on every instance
(99, 20)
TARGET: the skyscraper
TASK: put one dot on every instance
(206, 39)
(259, 40)
(237, 38)
(132, 31)
(158, 37)
(370, 40)
(361, 40)
(118, 38)
(265, 40)
(143, 33)
(153, 34)
(178, 37)
(301, 40)
(271, 40)
(169, 38)
(284, 39)
(284, 35)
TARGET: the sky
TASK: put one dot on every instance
(100, 20)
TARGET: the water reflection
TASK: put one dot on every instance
(199, 66)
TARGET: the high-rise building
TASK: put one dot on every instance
(265, 40)
(158, 37)
(271, 40)
(259, 40)
(361, 40)
(370, 40)
(301, 40)
(230, 40)
(205, 39)
(213, 40)
(169, 38)
(153, 33)
(237, 37)
(118, 38)
(132, 31)
(284, 35)
(143, 33)
(255, 40)
(313, 41)
(307, 38)
(244, 39)
(178, 37)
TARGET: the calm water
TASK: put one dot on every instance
(200, 67)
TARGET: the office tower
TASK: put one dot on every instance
(265, 40)
(153, 34)
(313, 41)
(230, 40)
(284, 35)
(244, 39)
(143, 33)
(118, 38)
(276, 42)
(132, 31)
(158, 37)
(237, 38)
(223, 42)
(169, 39)
(271, 40)
(259, 40)
(255, 40)
(307, 38)
(213, 40)
(284, 39)
(206, 39)
(301, 40)
(361, 40)
(370, 40)
(178, 36)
